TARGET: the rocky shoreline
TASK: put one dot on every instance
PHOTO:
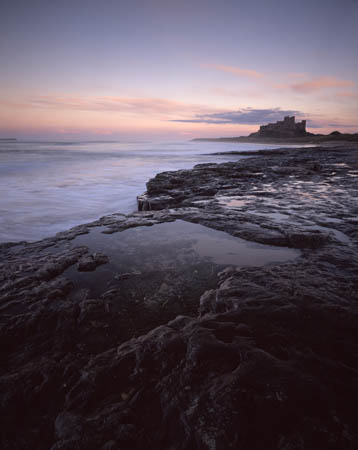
(124, 334)
(333, 139)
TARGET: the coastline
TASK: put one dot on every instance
(344, 139)
(124, 354)
(80, 182)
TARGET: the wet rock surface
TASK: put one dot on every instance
(110, 340)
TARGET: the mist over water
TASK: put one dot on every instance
(47, 187)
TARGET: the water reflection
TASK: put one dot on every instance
(179, 250)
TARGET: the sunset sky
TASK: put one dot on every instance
(175, 69)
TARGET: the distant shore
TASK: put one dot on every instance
(340, 139)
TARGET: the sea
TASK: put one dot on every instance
(47, 187)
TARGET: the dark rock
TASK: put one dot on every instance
(89, 263)
(254, 358)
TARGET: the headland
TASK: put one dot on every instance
(287, 131)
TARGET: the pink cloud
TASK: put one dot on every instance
(340, 97)
(346, 94)
(317, 84)
(127, 105)
(238, 71)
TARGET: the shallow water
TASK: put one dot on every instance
(235, 202)
(276, 216)
(47, 187)
(216, 246)
(180, 251)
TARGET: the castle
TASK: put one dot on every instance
(282, 129)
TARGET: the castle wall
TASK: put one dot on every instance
(283, 128)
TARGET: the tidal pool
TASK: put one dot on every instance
(179, 239)
(177, 250)
(166, 266)
(234, 202)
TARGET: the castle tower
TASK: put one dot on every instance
(286, 128)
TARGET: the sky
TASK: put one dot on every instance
(139, 69)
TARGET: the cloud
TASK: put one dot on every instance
(329, 122)
(247, 116)
(341, 125)
(320, 83)
(238, 71)
(131, 105)
(346, 94)
(345, 97)
(326, 123)
(300, 83)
